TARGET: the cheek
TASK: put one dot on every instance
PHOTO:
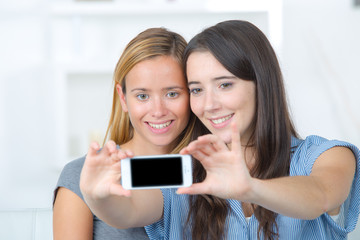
(195, 106)
(135, 110)
(246, 109)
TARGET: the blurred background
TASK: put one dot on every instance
(57, 59)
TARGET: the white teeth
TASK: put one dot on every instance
(221, 120)
(160, 126)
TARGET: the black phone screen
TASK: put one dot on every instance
(150, 172)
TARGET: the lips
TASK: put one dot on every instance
(221, 120)
(159, 125)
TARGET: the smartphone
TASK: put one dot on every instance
(156, 171)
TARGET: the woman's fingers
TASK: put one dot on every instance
(93, 148)
(207, 144)
(124, 154)
(200, 156)
(223, 166)
(217, 143)
(101, 173)
(129, 153)
(235, 138)
(106, 152)
(109, 148)
(109, 151)
(114, 157)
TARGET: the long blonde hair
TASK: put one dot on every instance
(148, 44)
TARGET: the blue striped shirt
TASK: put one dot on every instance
(176, 207)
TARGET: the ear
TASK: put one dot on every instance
(122, 97)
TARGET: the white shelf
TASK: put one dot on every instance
(84, 69)
(110, 8)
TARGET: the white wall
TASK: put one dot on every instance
(319, 55)
(26, 129)
(320, 61)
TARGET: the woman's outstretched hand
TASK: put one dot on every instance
(100, 176)
(227, 175)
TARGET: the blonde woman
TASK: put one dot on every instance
(150, 115)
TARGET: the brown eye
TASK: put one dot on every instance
(225, 85)
(195, 91)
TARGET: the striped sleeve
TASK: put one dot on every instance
(313, 147)
(171, 226)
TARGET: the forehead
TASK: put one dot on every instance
(156, 72)
(202, 66)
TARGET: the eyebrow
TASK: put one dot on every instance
(138, 89)
(167, 89)
(214, 79)
(224, 77)
(173, 87)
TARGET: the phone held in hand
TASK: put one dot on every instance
(156, 171)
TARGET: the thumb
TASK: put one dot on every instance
(235, 138)
(118, 190)
(196, 188)
(184, 151)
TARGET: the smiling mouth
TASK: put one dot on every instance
(221, 120)
(160, 126)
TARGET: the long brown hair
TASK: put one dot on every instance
(246, 52)
(148, 44)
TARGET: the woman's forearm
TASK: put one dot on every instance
(142, 208)
(114, 210)
(297, 197)
(307, 197)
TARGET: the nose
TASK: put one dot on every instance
(159, 108)
(211, 102)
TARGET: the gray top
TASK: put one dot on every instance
(70, 179)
